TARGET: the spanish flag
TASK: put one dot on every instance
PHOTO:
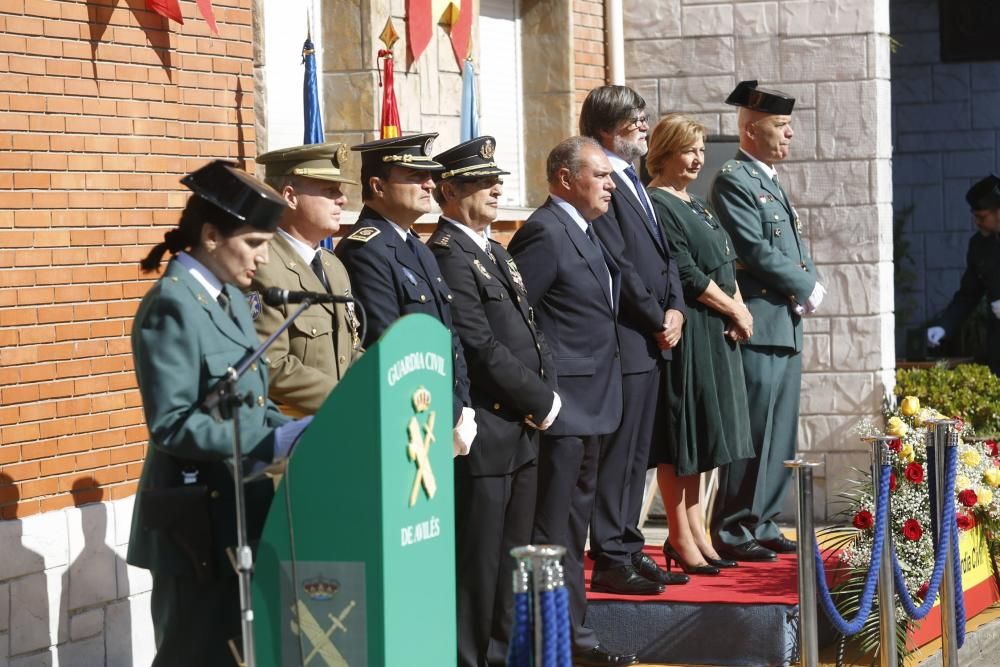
(390, 112)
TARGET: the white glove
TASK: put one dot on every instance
(549, 418)
(816, 298)
(464, 433)
(799, 309)
(995, 305)
(934, 336)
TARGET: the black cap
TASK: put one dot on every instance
(413, 151)
(747, 94)
(245, 199)
(469, 160)
(984, 195)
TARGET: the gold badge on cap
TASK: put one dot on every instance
(341, 155)
(487, 149)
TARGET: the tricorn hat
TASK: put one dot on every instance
(984, 195)
(469, 160)
(323, 161)
(246, 200)
(747, 94)
(413, 151)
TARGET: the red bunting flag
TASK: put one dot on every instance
(419, 26)
(205, 7)
(170, 9)
(461, 33)
(390, 112)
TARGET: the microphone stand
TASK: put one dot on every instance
(225, 398)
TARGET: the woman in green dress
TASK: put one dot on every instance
(706, 389)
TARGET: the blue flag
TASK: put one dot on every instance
(312, 115)
(470, 114)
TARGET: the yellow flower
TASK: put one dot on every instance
(970, 457)
(897, 427)
(984, 495)
(992, 477)
(962, 482)
(910, 406)
(906, 453)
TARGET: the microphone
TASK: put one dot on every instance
(275, 296)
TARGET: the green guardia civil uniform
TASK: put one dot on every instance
(774, 273)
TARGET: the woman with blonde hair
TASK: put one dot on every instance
(706, 388)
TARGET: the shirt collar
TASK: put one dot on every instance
(479, 238)
(200, 273)
(571, 211)
(399, 230)
(617, 163)
(302, 249)
(770, 171)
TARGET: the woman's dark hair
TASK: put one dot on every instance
(187, 233)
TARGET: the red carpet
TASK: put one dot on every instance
(750, 583)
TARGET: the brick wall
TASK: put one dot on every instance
(102, 107)
(588, 47)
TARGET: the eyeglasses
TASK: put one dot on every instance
(638, 121)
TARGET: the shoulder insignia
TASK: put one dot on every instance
(253, 300)
(364, 235)
(443, 240)
(482, 269)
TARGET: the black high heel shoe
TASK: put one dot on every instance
(674, 557)
(721, 562)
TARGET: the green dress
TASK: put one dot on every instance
(706, 389)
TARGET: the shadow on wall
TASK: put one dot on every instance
(95, 616)
(28, 631)
(155, 27)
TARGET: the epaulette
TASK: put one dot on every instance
(442, 240)
(363, 235)
(729, 166)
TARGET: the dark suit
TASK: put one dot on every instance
(392, 279)
(650, 286)
(567, 277)
(981, 278)
(774, 273)
(511, 379)
(183, 342)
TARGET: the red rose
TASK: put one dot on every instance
(914, 472)
(863, 520)
(991, 447)
(892, 480)
(968, 497)
(965, 521)
(922, 591)
(896, 445)
(912, 530)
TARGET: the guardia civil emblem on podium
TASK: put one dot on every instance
(418, 447)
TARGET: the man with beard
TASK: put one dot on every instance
(650, 319)
(779, 285)
(982, 272)
(312, 355)
(512, 393)
(392, 272)
(573, 286)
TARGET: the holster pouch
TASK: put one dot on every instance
(184, 515)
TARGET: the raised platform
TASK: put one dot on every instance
(745, 616)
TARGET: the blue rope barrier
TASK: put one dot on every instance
(550, 631)
(871, 579)
(519, 651)
(564, 645)
(942, 543)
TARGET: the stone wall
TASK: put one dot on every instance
(687, 55)
(66, 595)
(946, 136)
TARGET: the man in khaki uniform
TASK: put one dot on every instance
(312, 355)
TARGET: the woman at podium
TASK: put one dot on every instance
(192, 326)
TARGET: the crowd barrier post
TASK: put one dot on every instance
(539, 570)
(941, 436)
(805, 532)
(886, 585)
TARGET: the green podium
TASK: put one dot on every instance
(356, 564)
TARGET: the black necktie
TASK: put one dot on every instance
(226, 305)
(317, 267)
(650, 218)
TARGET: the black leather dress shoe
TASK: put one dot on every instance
(780, 544)
(748, 551)
(648, 568)
(623, 580)
(598, 656)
